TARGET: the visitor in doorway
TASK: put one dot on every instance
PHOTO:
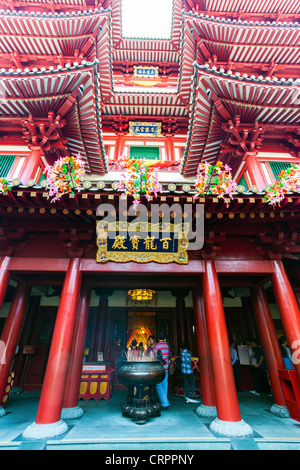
(235, 365)
(141, 349)
(260, 368)
(286, 353)
(188, 374)
(150, 347)
(162, 388)
(135, 350)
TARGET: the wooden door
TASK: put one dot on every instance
(35, 365)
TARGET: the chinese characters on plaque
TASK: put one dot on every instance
(145, 72)
(149, 129)
(142, 246)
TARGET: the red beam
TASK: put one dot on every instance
(244, 267)
(38, 264)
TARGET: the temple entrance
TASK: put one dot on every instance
(140, 326)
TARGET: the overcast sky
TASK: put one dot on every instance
(147, 18)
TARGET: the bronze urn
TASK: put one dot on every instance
(141, 379)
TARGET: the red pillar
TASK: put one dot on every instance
(289, 311)
(229, 420)
(48, 422)
(270, 345)
(31, 166)
(11, 332)
(71, 409)
(255, 172)
(119, 149)
(4, 277)
(169, 149)
(208, 407)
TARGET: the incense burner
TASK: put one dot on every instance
(141, 379)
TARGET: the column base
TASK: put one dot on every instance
(2, 412)
(231, 428)
(45, 431)
(204, 411)
(72, 413)
(280, 411)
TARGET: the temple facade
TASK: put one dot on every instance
(224, 87)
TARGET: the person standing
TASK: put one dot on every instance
(135, 352)
(162, 388)
(286, 353)
(188, 374)
(235, 365)
(260, 369)
(151, 344)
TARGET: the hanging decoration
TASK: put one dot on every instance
(138, 179)
(142, 295)
(65, 176)
(288, 180)
(4, 186)
(215, 180)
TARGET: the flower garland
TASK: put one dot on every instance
(4, 186)
(214, 179)
(139, 179)
(65, 176)
(288, 180)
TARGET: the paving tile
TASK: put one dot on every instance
(103, 426)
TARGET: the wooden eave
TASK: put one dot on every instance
(220, 98)
(259, 49)
(70, 95)
(39, 42)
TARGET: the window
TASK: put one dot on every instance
(6, 163)
(148, 153)
(277, 167)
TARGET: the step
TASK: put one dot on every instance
(244, 444)
(33, 445)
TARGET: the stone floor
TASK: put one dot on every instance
(102, 427)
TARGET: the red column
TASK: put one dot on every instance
(119, 149)
(269, 342)
(11, 332)
(289, 311)
(229, 420)
(255, 172)
(169, 149)
(70, 408)
(31, 166)
(4, 277)
(225, 389)
(48, 422)
(207, 386)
